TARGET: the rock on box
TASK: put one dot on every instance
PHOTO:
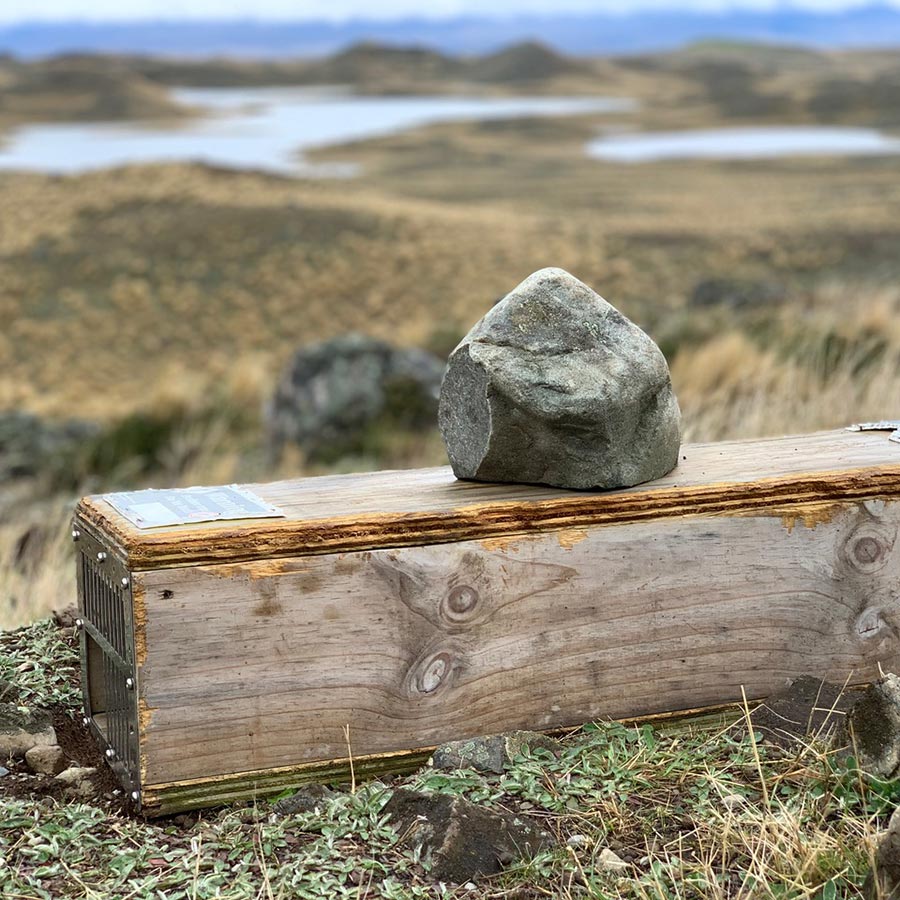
(389, 612)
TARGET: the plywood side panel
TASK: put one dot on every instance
(423, 506)
(251, 666)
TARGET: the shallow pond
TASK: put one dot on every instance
(742, 143)
(265, 128)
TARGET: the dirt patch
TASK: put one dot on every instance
(81, 750)
(808, 708)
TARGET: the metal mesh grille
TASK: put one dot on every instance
(108, 657)
(103, 606)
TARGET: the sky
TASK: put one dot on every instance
(17, 11)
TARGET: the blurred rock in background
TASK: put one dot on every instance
(30, 445)
(334, 394)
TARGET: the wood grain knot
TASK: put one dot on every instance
(460, 603)
(434, 671)
(867, 551)
(870, 624)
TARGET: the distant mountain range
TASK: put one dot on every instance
(595, 34)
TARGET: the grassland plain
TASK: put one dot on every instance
(168, 298)
(163, 301)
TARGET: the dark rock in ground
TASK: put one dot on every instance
(490, 754)
(555, 386)
(807, 708)
(333, 393)
(883, 882)
(459, 841)
(872, 728)
(29, 445)
(736, 293)
(21, 729)
(306, 799)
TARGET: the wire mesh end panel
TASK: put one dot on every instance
(108, 674)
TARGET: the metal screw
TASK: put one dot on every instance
(86, 721)
(110, 753)
(76, 534)
(79, 623)
(135, 795)
(124, 582)
(101, 556)
(129, 683)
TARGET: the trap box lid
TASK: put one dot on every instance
(340, 513)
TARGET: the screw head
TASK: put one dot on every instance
(124, 582)
(110, 753)
(101, 556)
(86, 721)
(135, 795)
(129, 683)
(79, 623)
(76, 534)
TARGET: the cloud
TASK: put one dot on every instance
(14, 11)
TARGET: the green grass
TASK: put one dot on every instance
(695, 813)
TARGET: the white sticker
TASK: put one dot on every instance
(181, 506)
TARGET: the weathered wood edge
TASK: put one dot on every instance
(164, 799)
(273, 539)
(174, 797)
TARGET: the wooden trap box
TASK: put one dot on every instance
(389, 612)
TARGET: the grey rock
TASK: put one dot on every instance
(46, 760)
(79, 781)
(3, 771)
(555, 386)
(306, 799)
(490, 754)
(872, 728)
(21, 729)
(806, 709)
(459, 841)
(333, 394)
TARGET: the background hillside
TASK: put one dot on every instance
(875, 25)
(150, 309)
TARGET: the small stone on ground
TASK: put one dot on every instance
(79, 781)
(306, 799)
(21, 729)
(491, 754)
(611, 861)
(46, 760)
